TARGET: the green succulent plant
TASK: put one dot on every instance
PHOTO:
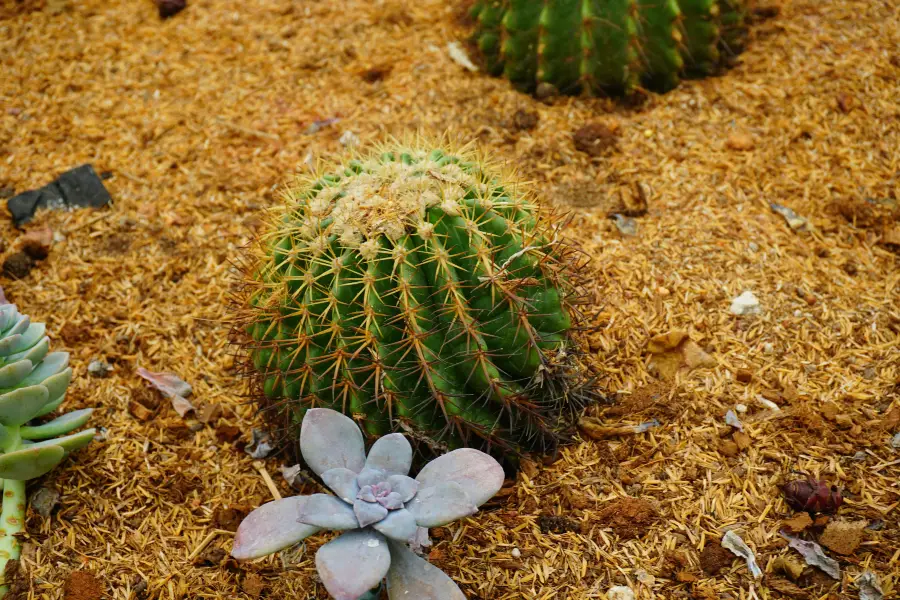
(606, 47)
(33, 384)
(418, 290)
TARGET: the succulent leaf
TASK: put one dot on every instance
(399, 525)
(58, 426)
(353, 563)
(342, 482)
(391, 454)
(441, 504)
(69, 443)
(30, 462)
(12, 374)
(330, 440)
(405, 486)
(413, 577)
(328, 512)
(22, 404)
(479, 475)
(270, 528)
(368, 513)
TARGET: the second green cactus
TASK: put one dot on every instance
(606, 47)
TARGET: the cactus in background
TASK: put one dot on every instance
(33, 383)
(606, 46)
(416, 290)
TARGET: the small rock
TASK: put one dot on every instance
(739, 140)
(349, 139)
(525, 120)
(82, 585)
(798, 522)
(458, 55)
(76, 188)
(895, 441)
(620, 592)
(546, 91)
(209, 413)
(555, 524)
(843, 537)
(685, 577)
(44, 501)
(18, 265)
(139, 411)
(595, 139)
(228, 518)
(629, 518)
(788, 566)
(36, 243)
(170, 8)
(516, 553)
(745, 304)
(714, 558)
(228, 433)
(253, 585)
(769, 348)
(210, 558)
(99, 368)
(845, 102)
(741, 439)
(744, 375)
(729, 448)
(741, 408)
(625, 225)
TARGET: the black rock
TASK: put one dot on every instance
(78, 188)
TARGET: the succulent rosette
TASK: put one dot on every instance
(378, 506)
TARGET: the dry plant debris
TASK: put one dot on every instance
(200, 119)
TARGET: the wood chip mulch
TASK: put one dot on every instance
(201, 117)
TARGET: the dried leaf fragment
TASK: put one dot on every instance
(814, 556)
(733, 542)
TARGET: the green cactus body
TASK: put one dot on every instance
(606, 46)
(33, 383)
(416, 291)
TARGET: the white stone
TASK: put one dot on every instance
(746, 304)
(620, 592)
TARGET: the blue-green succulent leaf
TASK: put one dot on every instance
(342, 482)
(30, 462)
(64, 424)
(327, 512)
(35, 354)
(479, 474)
(12, 375)
(354, 563)
(330, 440)
(368, 512)
(441, 504)
(391, 454)
(270, 528)
(399, 525)
(413, 577)
(69, 443)
(51, 364)
(21, 405)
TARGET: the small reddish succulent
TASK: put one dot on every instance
(812, 495)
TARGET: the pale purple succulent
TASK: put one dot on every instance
(378, 506)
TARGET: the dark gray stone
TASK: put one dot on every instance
(80, 187)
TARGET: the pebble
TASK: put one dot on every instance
(895, 441)
(746, 304)
(348, 138)
(754, 247)
(620, 592)
(516, 553)
(99, 368)
(741, 408)
(768, 347)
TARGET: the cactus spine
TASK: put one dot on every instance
(417, 291)
(606, 46)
